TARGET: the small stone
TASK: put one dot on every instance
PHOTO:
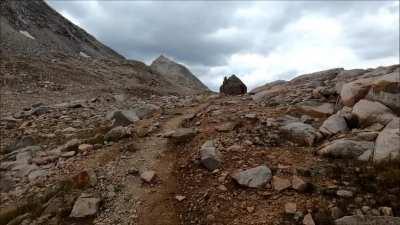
(344, 193)
(85, 206)
(133, 171)
(148, 176)
(222, 187)
(36, 174)
(290, 208)
(116, 134)
(180, 198)
(308, 220)
(299, 184)
(68, 154)
(255, 177)
(250, 209)
(210, 156)
(280, 184)
(85, 147)
(336, 212)
(386, 211)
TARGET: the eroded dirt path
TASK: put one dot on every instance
(158, 206)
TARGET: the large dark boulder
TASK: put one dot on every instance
(233, 86)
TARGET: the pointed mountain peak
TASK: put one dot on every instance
(162, 59)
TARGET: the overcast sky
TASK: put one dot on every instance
(260, 41)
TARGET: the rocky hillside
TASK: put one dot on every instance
(321, 149)
(46, 57)
(34, 28)
(177, 74)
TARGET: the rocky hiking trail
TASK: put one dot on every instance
(292, 154)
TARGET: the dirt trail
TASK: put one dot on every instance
(158, 204)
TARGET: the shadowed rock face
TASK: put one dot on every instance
(33, 28)
(233, 86)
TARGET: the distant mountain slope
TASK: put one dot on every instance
(177, 74)
(34, 28)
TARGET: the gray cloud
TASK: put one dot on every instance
(207, 35)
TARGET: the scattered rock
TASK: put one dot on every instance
(116, 134)
(255, 177)
(233, 86)
(299, 184)
(333, 125)
(368, 220)
(352, 92)
(336, 212)
(210, 156)
(369, 112)
(387, 145)
(85, 206)
(344, 193)
(144, 111)
(385, 90)
(345, 148)
(315, 109)
(308, 220)
(290, 208)
(280, 184)
(148, 176)
(85, 147)
(122, 117)
(180, 198)
(301, 133)
(182, 135)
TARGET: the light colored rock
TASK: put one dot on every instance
(386, 89)
(301, 133)
(368, 220)
(344, 193)
(386, 211)
(85, 147)
(210, 157)
(68, 154)
(280, 184)
(333, 125)
(345, 148)
(148, 175)
(308, 220)
(369, 112)
(298, 184)
(85, 206)
(146, 110)
(320, 110)
(116, 134)
(182, 135)
(352, 92)
(37, 174)
(25, 169)
(290, 208)
(255, 177)
(180, 198)
(226, 127)
(387, 145)
(122, 117)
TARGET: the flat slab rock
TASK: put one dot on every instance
(85, 206)
(254, 178)
(368, 220)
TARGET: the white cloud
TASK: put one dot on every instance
(258, 41)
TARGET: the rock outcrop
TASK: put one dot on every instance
(177, 74)
(233, 86)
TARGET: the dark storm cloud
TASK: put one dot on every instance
(212, 37)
